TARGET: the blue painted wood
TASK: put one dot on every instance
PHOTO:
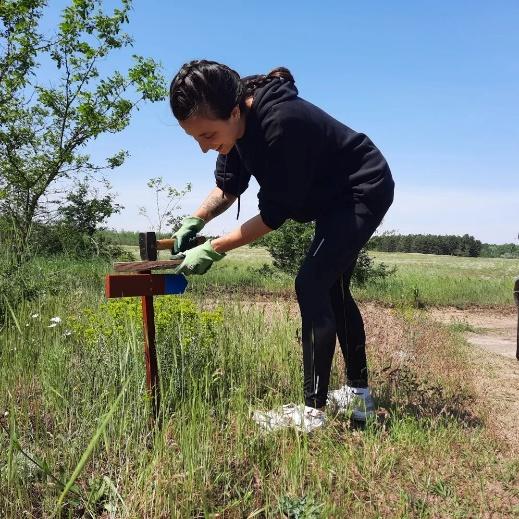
(174, 284)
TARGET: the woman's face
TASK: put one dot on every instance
(215, 134)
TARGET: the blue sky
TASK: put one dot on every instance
(434, 84)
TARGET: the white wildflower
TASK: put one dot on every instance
(56, 320)
(35, 316)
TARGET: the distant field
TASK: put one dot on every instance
(420, 279)
(439, 280)
(485, 268)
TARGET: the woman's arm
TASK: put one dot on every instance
(215, 203)
(251, 230)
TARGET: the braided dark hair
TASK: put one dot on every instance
(212, 89)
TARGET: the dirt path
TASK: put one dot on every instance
(492, 330)
(492, 334)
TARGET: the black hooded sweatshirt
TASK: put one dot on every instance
(304, 160)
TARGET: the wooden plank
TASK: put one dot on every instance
(136, 266)
(132, 285)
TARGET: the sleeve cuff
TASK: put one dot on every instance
(233, 192)
(274, 222)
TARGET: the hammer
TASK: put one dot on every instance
(149, 245)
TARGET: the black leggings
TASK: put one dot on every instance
(325, 301)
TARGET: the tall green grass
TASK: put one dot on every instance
(420, 279)
(77, 404)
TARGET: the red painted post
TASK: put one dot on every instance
(146, 285)
(150, 351)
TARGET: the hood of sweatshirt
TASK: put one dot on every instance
(304, 160)
(276, 91)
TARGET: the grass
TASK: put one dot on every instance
(74, 410)
(447, 280)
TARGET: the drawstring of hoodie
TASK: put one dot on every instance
(224, 179)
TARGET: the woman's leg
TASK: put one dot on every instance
(318, 337)
(350, 330)
(339, 236)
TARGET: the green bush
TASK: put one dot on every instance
(17, 283)
(173, 315)
(63, 239)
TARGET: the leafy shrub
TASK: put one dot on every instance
(173, 315)
(76, 232)
(63, 239)
(300, 507)
(15, 285)
(288, 245)
(366, 270)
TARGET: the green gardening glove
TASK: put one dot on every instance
(187, 232)
(198, 260)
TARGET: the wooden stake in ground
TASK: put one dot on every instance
(146, 285)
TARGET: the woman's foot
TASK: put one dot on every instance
(358, 400)
(300, 417)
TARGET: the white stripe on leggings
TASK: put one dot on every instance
(318, 247)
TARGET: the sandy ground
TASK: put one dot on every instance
(493, 337)
(493, 330)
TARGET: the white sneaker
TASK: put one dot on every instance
(358, 399)
(301, 417)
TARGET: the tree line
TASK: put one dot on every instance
(450, 245)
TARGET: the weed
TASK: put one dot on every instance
(300, 507)
(430, 457)
(462, 326)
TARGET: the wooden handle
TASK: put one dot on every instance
(168, 244)
(165, 244)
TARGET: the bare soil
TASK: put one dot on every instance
(490, 329)
(493, 337)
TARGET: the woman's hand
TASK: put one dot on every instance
(191, 225)
(198, 260)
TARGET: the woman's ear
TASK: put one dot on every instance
(236, 112)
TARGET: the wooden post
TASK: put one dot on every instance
(150, 351)
(146, 285)
(516, 298)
